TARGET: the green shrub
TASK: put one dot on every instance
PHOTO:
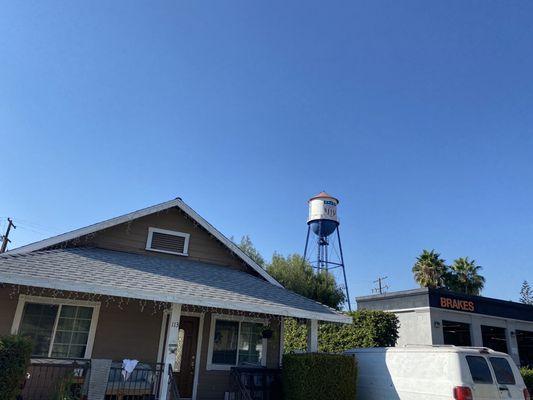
(316, 376)
(527, 374)
(15, 352)
(369, 329)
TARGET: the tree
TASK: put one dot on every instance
(369, 328)
(297, 275)
(247, 246)
(430, 270)
(526, 293)
(464, 277)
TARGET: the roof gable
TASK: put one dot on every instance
(91, 229)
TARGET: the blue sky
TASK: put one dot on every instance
(416, 114)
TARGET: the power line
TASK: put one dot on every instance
(5, 238)
(381, 288)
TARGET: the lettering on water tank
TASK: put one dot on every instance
(330, 211)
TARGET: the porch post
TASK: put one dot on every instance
(312, 336)
(169, 352)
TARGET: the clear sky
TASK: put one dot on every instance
(416, 114)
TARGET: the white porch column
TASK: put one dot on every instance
(169, 352)
(312, 336)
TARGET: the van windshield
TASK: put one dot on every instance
(479, 369)
(502, 370)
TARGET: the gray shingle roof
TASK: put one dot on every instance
(177, 280)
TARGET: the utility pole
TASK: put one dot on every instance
(5, 238)
(381, 287)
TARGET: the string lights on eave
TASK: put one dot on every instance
(106, 300)
(155, 307)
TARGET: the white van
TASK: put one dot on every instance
(437, 372)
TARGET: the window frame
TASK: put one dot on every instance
(23, 299)
(210, 366)
(152, 230)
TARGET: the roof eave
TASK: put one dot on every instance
(172, 298)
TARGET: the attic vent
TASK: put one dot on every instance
(166, 241)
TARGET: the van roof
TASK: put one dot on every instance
(428, 348)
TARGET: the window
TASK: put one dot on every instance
(58, 328)
(165, 241)
(479, 369)
(236, 342)
(494, 338)
(524, 340)
(456, 333)
(502, 370)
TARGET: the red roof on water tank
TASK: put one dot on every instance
(324, 195)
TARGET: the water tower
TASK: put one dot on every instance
(324, 224)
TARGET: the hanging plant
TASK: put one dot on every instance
(267, 332)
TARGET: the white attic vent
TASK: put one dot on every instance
(166, 241)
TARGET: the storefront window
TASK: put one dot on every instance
(524, 340)
(456, 333)
(494, 338)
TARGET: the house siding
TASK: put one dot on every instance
(127, 333)
(8, 306)
(131, 237)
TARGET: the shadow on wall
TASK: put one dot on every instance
(374, 380)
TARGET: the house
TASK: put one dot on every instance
(160, 286)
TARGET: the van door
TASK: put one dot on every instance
(505, 378)
(484, 387)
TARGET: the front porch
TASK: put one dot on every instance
(55, 378)
(183, 351)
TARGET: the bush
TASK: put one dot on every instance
(316, 376)
(15, 352)
(527, 374)
(369, 329)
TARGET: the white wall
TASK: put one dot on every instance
(415, 327)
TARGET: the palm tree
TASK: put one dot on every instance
(429, 269)
(465, 277)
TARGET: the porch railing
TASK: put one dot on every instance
(256, 383)
(49, 378)
(173, 393)
(143, 383)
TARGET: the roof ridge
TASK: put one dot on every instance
(177, 202)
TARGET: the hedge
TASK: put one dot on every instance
(527, 374)
(15, 352)
(369, 329)
(319, 376)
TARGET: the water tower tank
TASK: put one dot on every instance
(323, 214)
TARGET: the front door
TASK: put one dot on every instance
(187, 341)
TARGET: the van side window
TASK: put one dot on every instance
(479, 369)
(502, 370)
